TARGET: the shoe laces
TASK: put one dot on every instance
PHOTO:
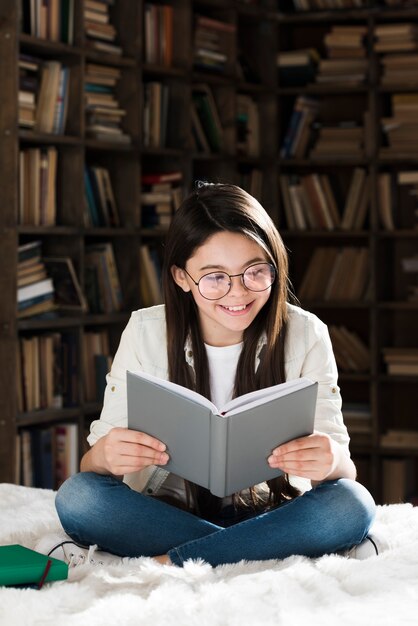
(81, 558)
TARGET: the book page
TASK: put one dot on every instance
(260, 396)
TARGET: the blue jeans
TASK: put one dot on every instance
(96, 509)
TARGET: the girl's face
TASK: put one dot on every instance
(223, 321)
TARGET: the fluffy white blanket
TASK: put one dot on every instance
(382, 590)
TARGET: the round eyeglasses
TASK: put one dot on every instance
(215, 285)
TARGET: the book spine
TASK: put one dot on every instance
(218, 451)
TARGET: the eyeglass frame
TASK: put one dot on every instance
(231, 276)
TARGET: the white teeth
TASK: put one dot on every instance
(236, 308)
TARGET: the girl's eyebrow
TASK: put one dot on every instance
(224, 269)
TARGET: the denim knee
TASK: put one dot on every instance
(77, 501)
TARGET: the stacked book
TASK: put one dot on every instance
(346, 62)
(357, 418)
(399, 69)
(52, 98)
(161, 196)
(297, 67)
(347, 280)
(401, 129)
(299, 131)
(53, 20)
(396, 37)
(402, 361)
(213, 44)
(29, 80)
(101, 34)
(248, 127)
(158, 35)
(103, 113)
(101, 207)
(37, 186)
(102, 283)
(155, 114)
(35, 290)
(343, 140)
(351, 353)
(207, 130)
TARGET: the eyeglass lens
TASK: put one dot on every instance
(257, 277)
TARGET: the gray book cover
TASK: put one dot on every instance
(222, 452)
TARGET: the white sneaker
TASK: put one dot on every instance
(372, 545)
(74, 554)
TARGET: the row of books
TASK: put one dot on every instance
(158, 34)
(248, 127)
(47, 367)
(53, 20)
(104, 115)
(101, 33)
(150, 275)
(43, 94)
(213, 44)
(207, 129)
(401, 128)
(37, 186)
(351, 352)
(336, 274)
(390, 196)
(310, 201)
(97, 361)
(399, 68)
(401, 361)
(46, 457)
(46, 284)
(102, 283)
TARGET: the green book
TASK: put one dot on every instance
(19, 566)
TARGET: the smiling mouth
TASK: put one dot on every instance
(236, 309)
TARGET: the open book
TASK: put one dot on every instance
(226, 449)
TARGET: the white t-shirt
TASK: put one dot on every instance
(222, 367)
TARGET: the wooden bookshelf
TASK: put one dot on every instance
(353, 191)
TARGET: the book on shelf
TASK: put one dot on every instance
(297, 67)
(155, 114)
(399, 438)
(222, 449)
(206, 119)
(356, 203)
(37, 186)
(21, 566)
(351, 353)
(298, 133)
(101, 206)
(104, 115)
(29, 81)
(94, 344)
(53, 20)
(213, 44)
(160, 199)
(409, 265)
(396, 37)
(150, 276)
(347, 280)
(398, 68)
(401, 361)
(344, 139)
(68, 295)
(101, 33)
(158, 34)
(248, 126)
(52, 98)
(385, 200)
(357, 417)
(103, 288)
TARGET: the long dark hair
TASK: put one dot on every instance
(210, 209)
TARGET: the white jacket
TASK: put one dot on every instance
(308, 352)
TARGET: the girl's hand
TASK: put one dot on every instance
(314, 457)
(123, 451)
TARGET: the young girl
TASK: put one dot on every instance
(227, 328)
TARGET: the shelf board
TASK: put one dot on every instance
(335, 15)
(103, 319)
(66, 231)
(335, 160)
(109, 146)
(106, 58)
(29, 136)
(336, 304)
(163, 71)
(398, 378)
(44, 46)
(325, 234)
(411, 305)
(398, 234)
(47, 416)
(324, 89)
(50, 321)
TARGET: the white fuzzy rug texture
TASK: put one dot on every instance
(330, 591)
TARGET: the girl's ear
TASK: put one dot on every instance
(180, 277)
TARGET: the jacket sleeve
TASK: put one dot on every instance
(114, 412)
